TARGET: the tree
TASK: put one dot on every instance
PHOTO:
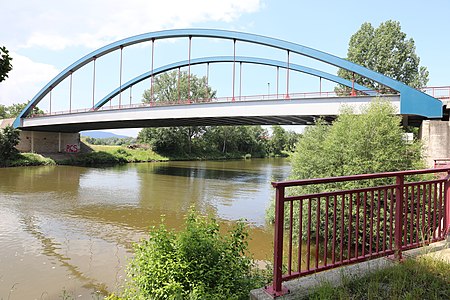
(169, 87)
(14, 110)
(9, 138)
(174, 87)
(371, 142)
(5, 63)
(356, 144)
(278, 140)
(385, 50)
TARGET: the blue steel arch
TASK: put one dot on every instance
(243, 59)
(412, 101)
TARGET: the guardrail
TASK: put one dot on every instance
(237, 98)
(357, 218)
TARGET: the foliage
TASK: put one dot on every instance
(282, 141)
(14, 110)
(9, 139)
(168, 87)
(110, 141)
(94, 159)
(209, 140)
(371, 142)
(385, 50)
(197, 263)
(423, 278)
(5, 63)
(26, 159)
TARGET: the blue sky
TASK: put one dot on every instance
(46, 36)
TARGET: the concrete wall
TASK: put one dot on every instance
(48, 142)
(435, 136)
(45, 142)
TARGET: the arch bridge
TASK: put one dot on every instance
(113, 110)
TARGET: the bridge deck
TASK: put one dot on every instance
(268, 112)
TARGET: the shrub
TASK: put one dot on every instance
(9, 138)
(370, 142)
(197, 263)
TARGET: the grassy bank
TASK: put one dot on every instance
(112, 155)
(27, 159)
(422, 278)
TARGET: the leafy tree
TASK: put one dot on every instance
(5, 63)
(168, 87)
(197, 263)
(371, 142)
(9, 138)
(385, 50)
(3, 112)
(14, 110)
(278, 140)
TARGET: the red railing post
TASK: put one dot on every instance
(276, 289)
(399, 198)
(447, 206)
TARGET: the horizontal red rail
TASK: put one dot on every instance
(324, 230)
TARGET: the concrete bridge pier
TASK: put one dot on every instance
(48, 142)
(45, 141)
(435, 136)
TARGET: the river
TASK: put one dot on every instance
(69, 230)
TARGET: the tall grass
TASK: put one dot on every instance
(421, 278)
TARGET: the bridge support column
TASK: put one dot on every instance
(32, 142)
(48, 142)
(435, 136)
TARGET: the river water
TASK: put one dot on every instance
(69, 230)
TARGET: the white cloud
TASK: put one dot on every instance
(56, 24)
(25, 79)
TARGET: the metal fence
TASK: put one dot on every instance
(357, 218)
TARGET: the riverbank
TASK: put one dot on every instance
(99, 155)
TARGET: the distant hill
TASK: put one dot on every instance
(102, 134)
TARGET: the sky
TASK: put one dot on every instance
(44, 37)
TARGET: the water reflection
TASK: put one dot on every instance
(72, 228)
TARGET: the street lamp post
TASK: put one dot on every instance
(268, 89)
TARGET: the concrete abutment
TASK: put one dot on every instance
(435, 136)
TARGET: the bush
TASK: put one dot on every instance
(94, 159)
(9, 138)
(370, 142)
(197, 263)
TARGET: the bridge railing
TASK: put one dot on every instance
(439, 92)
(328, 222)
(260, 97)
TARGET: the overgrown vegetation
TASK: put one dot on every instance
(370, 142)
(112, 141)
(112, 155)
(26, 160)
(12, 111)
(197, 263)
(9, 139)
(423, 278)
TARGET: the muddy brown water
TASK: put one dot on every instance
(69, 230)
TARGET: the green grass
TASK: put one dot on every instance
(112, 155)
(130, 155)
(27, 159)
(421, 278)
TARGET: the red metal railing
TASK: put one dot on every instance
(441, 162)
(357, 218)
